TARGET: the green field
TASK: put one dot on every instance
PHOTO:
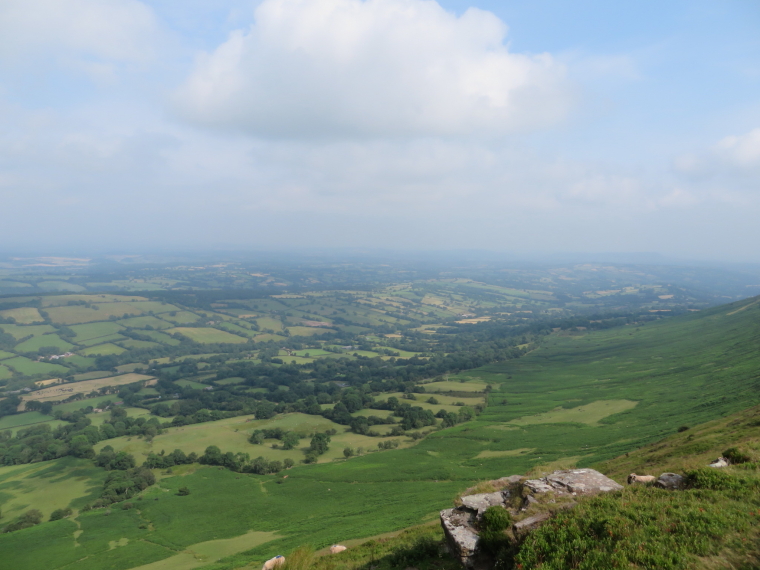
(269, 323)
(23, 420)
(102, 340)
(232, 435)
(48, 486)
(5, 372)
(161, 337)
(95, 330)
(181, 317)
(30, 367)
(191, 384)
(102, 350)
(143, 322)
(75, 314)
(207, 335)
(21, 331)
(37, 342)
(131, 344)
(22, 315)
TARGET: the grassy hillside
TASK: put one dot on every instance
(692, 448)
(581, 398)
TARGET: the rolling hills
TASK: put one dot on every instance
(583, 397)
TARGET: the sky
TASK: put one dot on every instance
(530, 127)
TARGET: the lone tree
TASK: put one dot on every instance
(319, 443)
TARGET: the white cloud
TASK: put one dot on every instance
(83, 32)
(371, 67)
(742, 151)
(728, 169)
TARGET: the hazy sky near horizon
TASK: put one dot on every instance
(536, 126)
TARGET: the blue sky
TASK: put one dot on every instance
(512, 126)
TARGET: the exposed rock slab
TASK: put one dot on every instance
(460, 534)
(574, 482)
(480, 502)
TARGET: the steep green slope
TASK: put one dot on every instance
(579, 398)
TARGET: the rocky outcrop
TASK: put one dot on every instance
(574, 482)
(670, 481)
(517, 495)
(462, 538)
(480, 502)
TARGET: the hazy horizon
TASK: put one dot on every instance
(540, 129)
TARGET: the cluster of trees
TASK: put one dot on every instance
(242, 463)
(168, 460)
(289, 439)
(110, 460)
(42, 443)
(124, 484)
(31, 517)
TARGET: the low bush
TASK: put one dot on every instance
(495, 521)
(736, 457)
(31, 517)
(59, 514)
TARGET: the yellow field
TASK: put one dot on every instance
(23, 315)
(589, 414)
(63, 391)
(42, 383)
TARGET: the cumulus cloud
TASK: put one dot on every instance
(91, 33)
(371, 67)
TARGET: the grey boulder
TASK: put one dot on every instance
(670, 481)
